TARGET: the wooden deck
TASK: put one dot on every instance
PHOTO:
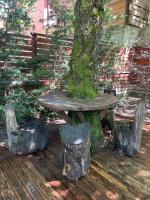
(111, 177)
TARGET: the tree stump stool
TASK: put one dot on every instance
(76, 150)
(25, 139)
(127, 133)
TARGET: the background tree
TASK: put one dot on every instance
(63, 13)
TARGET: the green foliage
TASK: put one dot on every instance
(38, 61)
(1, 114)
(18, 77)
(15, 14)
(25, 103)
(23, 96)
(60, 34)
(65, 19)
(43, 73)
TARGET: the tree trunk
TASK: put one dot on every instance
(128, 134)
(84, 58)
(89, 16)
(25, 139)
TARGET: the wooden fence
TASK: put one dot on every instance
(125, 76)
(28, 47)
(132, 12)
(137, 13)
(118, 12)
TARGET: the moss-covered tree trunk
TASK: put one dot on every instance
(84, 59)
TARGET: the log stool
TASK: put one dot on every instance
(25, 139)
(127, 133)
(76, 150)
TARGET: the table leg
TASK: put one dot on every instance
(103, 113)
(81, 116)
(64, 116)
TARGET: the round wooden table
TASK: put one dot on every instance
(77, 111)
(60, 102)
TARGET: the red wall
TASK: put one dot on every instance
(37, 16)
(37, 13)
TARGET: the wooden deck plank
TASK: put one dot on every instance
(88, 179)
(33, 185)
(43, 165)
(41, 180)
(126, 170)
(81, 184)
(112, 182)
(28, 183)
(85, 184)
(47, 190)
(64, 188)
(13, 180)
(110, 176)
(5, 189)
(143, 156)
(143, 160)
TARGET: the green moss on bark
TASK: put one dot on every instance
(80, 82)
(88, 16)
(97, 137)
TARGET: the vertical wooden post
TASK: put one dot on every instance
(34, 44)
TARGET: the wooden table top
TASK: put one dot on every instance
(61, 102)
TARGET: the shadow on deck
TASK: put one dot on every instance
(111, 177)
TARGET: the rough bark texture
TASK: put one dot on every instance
(76, 150)
(128, 133)
(25, 139)
(85, 48)
(84, 59)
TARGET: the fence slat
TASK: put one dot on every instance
(124, 73)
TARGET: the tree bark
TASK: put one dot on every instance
(76, 150)
(85, 59)
(26, 139)
(128, 134)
